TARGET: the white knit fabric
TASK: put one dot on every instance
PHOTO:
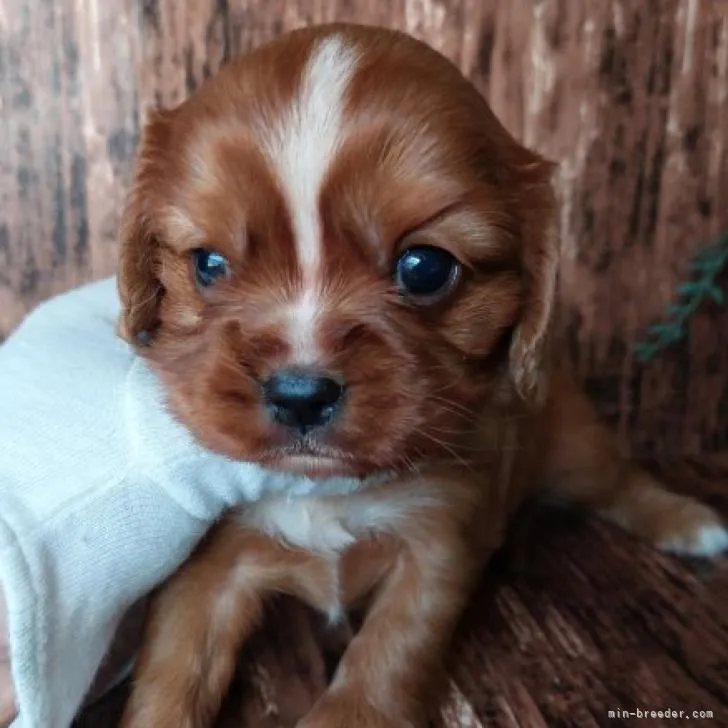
(102, 494)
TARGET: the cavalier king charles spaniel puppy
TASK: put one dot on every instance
(342, 266)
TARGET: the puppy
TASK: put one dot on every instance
(342, 266)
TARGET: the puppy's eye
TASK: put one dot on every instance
(208, 266)
(426, 274)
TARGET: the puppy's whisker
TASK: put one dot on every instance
(447, 448)
(409, 464)
(454, 431)
(454, 407)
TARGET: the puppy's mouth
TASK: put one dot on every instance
(311, 460)
(313, 466)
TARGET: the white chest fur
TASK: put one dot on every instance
(330, 524)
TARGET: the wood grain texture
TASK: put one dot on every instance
(630, 97)
(576, 619)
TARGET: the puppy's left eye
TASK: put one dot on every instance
(209, 266)
(426, 273)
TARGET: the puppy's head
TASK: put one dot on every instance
(336, 257)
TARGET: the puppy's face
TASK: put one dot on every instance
(336, 257)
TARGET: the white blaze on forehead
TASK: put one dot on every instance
(308, 138)
(301, 324)
(302, 149)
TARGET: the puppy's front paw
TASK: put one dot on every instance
(692, 529)
(346, 711)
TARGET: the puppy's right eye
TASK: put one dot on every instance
(209, 266)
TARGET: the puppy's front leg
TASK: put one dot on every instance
(201, 617)
(391, 673)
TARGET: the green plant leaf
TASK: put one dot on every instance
(689, 289)
(644, 351)
(707, 263)
(716, 294)
(667, 330)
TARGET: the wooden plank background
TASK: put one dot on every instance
(630, 96)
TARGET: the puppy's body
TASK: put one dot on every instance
(340, 264)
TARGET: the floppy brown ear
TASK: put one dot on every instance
(529, 352)
(138, 281)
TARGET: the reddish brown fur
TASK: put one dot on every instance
(461, 399)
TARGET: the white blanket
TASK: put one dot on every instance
(102, 494)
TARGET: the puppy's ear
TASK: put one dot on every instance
(536, 203)
(138, 281)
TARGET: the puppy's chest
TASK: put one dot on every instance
(355, 537)
(328, 526)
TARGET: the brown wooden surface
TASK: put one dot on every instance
(583, 621)
(631, 96)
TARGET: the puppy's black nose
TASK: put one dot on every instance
(302, 399)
